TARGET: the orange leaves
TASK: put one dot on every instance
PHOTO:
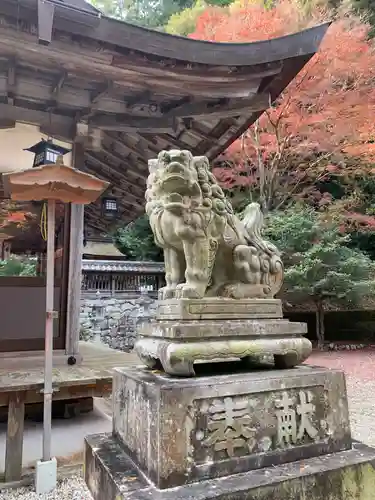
(331, 103)
(323, 120)
(12, 215)
(248, 23)
(16, 217)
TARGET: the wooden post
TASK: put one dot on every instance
(65, 275)
(50, 316)
(113, 284)
(13, 454)
(75, 265)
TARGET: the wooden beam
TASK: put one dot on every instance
(57, 125)
(14, 442)
(190, 73)
(46, 14)
(75, 263)
(48, 87)
(11, 82)
(129, 123)
(222, 108)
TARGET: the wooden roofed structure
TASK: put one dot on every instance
(126, 92)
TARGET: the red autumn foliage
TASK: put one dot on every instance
(325, 116)
(12, 216)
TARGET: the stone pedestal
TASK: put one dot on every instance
(189, 331)
(252, 436)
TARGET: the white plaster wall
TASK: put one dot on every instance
(14, 140)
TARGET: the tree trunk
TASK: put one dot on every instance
(320, 330)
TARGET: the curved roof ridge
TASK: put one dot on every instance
(160, 44)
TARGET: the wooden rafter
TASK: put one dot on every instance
(129, 186)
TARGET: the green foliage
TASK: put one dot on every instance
(149, 13)
(17, 267)
(152, 14)
(320, 266)
(177, 16)
(111, 8)
(136, 241)
(184, 22)
(219, 3)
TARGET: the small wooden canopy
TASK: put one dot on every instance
(54, 181)
(130, 92)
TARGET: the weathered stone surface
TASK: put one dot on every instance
(345, 475)
(208, 329)
(178, 357)
(114, 321)
(218, 309)
(208, 251)
(177, 345)
(179, 431)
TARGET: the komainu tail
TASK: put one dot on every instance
(253, 222)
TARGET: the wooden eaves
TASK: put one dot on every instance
(128, 92)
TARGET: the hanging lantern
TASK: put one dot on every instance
(109, 208)
(45, 152)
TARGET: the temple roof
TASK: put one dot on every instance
(102, 249)
(130, 92)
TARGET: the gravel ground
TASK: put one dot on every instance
(72, 488)
(359, 367)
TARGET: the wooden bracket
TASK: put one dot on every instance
(46, 14)
(90, 137)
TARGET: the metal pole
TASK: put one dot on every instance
(48, 354)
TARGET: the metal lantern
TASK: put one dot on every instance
(109, 208)
(45, 152)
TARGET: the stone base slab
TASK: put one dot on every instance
(217, 308)
(177, 358)
(226, 329)
(347, 475)
(179, 431)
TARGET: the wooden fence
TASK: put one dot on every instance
(113, 277)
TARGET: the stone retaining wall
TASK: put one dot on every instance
(113, 319)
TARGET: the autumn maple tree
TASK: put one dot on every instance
(322, 126)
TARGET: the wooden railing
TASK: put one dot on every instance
(112, 277)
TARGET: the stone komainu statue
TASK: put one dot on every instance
(208, 251)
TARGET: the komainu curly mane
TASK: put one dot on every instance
(207, 249)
